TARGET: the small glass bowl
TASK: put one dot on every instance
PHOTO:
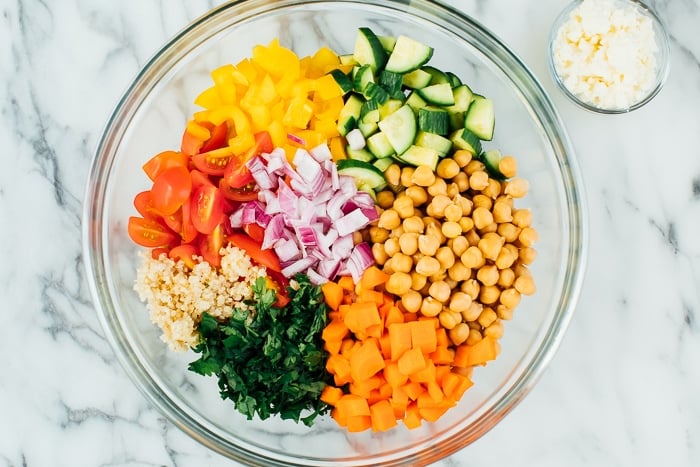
(662, 57)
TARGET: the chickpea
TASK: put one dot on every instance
(492, 227)
(482, 201)
(418, 281)
(406, 179)
(506, 277)
(490, 245)
(413, 224)
(449, 319)
(487, 317)
(389, 219)
(474, 337)
(525, 285)
(430, 307)
(462, 181)
(471, 287)
(466, 224)
(437, 206)
(505, 258)
(520, 269)
(460, 302)
(527, 255)
(428, 244)
(451, 229)
(495, 330)
(445, 257)
(459, 245)
(462, 157)
(357, 237)
(508, 231)
(434, 229)
(517, 187)
(428, 266)
(487, 274)
(438, 276)
(447, 168)
(489, 294)
(453, 212)
(378, 234)
(493, 190)
(401, 263)
(472, 237)
(391, 246)
(412, 301)
(473, 258)
(398, 283)
(502, 212)
(440, 291)
(465, 203)
(452, 190)
(479, 180)
(522, 217)
(474, 166)
(510, 298)
(459, 334)
(379, 254)
(481, 216)
(397, 232)
(423, 176)
(417, 194)
(408, 242)
(451, 282)
(528, 236)
(504, 312)
(508, 166)
(393, 174)
(473, 311)
(439, 187)
(459, 272)
(385, 199)
(403, 205)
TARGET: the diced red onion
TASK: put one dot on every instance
(296, 139)
(321, 153)
(298, 266)
(351, 222)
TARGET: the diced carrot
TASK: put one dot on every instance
(435, 391)
(478, 354)
(374, 331)
(423, 336)
(372, 277)
(370, 296)
(346, 283)
(454, 385)
(339, 416)
(442, 355)
(400, 339)
(399, 397)
(358, 423)
(441, 371)
(332, 347)
(393, 376)
(432, 414)
(331, 395)
(335, 330)
(346, 346)
(426, 374)
(413, 390)
(366, 361)
(333, 294)
(360, 316)
(353, 405)
(441, 337)
(412, 419)
(339, 367)
(364, 388)
(385, 346)
(382, 416)
(411, 361)
(394, 315)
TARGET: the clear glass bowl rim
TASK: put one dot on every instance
(194, 35)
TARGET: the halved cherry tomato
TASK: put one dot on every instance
(156, 252)
(174, 220)
(265, 258)
(163, 161)
(150, 233)
(190, 144)
(213, 162)
(188, 231)
(184, 252)
(263, 141)
(255, 232)
(282, 296)
(211, 244)
(207, 208)
(199, 179)
(237, 194)
(218, 138)
(171, 189)
(144, 205)
(237, 174)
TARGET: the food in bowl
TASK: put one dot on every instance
(332, 235)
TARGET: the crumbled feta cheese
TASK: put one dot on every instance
(606, 54)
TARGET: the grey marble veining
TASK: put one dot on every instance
(622, 390)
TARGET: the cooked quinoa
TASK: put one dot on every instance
(176, 296)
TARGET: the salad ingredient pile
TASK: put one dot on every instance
(332, 235)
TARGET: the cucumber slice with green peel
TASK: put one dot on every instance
(442, 145)
(364, 173)
(369, 113)
(436, 76)
(379, 145)
(454, 79)
(438, 94)
(367, 128)
(368, 190)
(491, 158)
(400, 128)
(408, 54)
(383, 164)
(388, 42)
(376, 92)
(359, 154)
(416, 102)
(433, 120)
(342, 79)
(463, 98)
(362, 76)
(418, 155)
(392, 83)
(465, 139)
(456, 120)
(350, 114)
(417, 79)
(389, 107)
(369, 50)
(481, 118)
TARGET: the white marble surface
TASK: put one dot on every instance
(623, 390)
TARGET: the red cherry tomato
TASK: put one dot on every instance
(171, 189)
(151, 233)
(144, 205)
(218, 138)
(213, 162)
(163, 161)
(188, 231)
(255, 232)
(199, 179)
(265, 258)
(237, 174)
(211, 244)
(207, 209)
(184, 252)
(237, 194)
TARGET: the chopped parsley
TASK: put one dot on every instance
(271, 360)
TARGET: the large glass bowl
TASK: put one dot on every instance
(150, 118)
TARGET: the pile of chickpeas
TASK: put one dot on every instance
(454, 245)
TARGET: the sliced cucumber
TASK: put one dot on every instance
(433, 120)
(359, 154)
(379, 145)
(456, 120)
(392, 82)
(383, 164)
(463, 98)
(481, 118)
(362, 76)
(369, 113)
(442, 145)
(376, 92)
(389, 107)
(415, 101)
(408, 55)
(454, 79)
(465, 139)
(418, 155)
(369, 50)
(400, 128)
(342, 79)
(491, 158)
(417, 79)
(364, 173)
(436, 76)
(367, 128)
(438, 94)
(388, 42)
(349, 114)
